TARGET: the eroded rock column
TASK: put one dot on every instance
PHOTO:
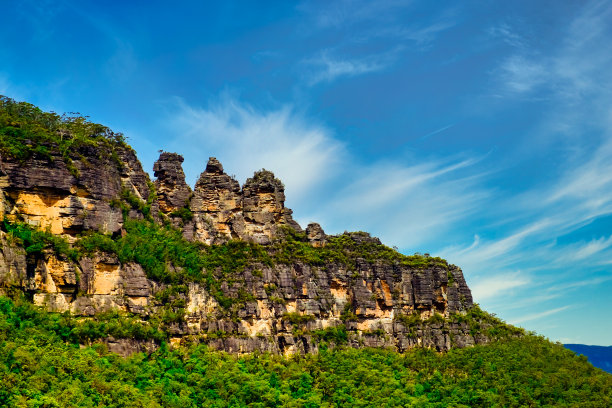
(216, 205)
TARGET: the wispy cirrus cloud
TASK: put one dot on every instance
(523, 75)
(529, 250)
(507, 34)
(538, 315)
(326, 68)
(573, 69)
(581, 194)
(588, 182)
(495, 286)
(405, 203)
(369, 36)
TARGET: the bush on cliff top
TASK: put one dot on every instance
(347, 249)
(40, 366)
(26, 130)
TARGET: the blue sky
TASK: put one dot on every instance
(477, 131)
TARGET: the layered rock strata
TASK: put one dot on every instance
(220, 209)
(286, 304)
(172, 191)
(66, 200)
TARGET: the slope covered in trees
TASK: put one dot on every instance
(41, 366)
(346, 291)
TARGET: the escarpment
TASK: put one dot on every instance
(88, 232)
(70, 197)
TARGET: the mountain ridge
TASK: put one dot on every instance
(85, 230)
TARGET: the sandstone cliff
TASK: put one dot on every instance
(271, 302)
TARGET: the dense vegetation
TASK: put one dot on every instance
(42, 365)
(34, 241)
(347, 249)
(26, 130)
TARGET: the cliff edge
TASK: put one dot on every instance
(84, 230)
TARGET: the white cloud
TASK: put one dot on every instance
(494, 286)
(573, 69)
(589, 249)
(244, 139)
(588, 182)
(435, 132)
(380, 26)
(427, 34)
(507, 34)
(343, 13)
(568, 286)
(405, 204)
(522, 75)
(502, 252)
(539, 315)
(537, 230)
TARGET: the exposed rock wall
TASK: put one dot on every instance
(172, 191)
(286, 305)
(220, 208)
(369, 301)
(216, 205)
(47, 193)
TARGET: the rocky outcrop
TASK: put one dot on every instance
(315, 234)
(286, 307)
(293, 304)
(172, 191)
(289, 307)
(220, 209)
(216, 205)
(68, 197)
(263, 207)
(13, 265)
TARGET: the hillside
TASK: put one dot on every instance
(41, 364)
(97, 260)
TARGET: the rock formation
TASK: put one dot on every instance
(46, 193)
(219, 208)
(216, 205)
(172, 191)
(286, 306)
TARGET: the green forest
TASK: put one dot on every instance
(41, 365)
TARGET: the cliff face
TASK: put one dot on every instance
(44, 192)
(285, 307)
